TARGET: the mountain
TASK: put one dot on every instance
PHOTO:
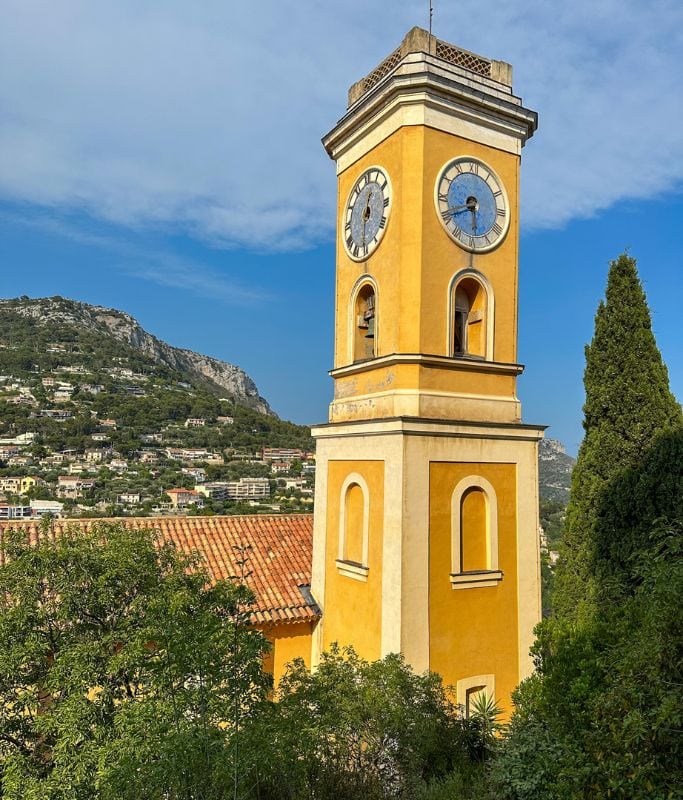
(555, 471)
(41, 330)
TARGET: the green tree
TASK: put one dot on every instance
(353, 728)
(602, 715)
(123, 672)
(628, 405)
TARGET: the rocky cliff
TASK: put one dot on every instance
(219, 376)
(555, 471)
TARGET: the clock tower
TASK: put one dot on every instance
(426, 509)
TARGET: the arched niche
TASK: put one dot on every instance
(471, 310)
(363, 328)
(474, 534)
(354, 524)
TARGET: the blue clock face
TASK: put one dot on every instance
(471, 204)
(367, 212)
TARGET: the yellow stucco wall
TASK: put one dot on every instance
(352, 611)
(416, 260)
(288, 641)
(473, 631)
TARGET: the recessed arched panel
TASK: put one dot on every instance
(470, 316)
(363, 319)
(354, 523)
(474, 533)
(473, 530)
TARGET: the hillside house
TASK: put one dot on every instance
(57, 414)
(198, 473)
(128, 498)
(183, 498)
(248, 489)
(43, 508)
(73, 486)
(8, 511)
(17, 485)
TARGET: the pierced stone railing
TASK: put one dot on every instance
(420, 41)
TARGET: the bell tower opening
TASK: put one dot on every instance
(469, 319)
(365, 323)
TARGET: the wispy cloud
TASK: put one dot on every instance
(142, 262)
(208, 117)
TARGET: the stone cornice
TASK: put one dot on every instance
(435, 361)
(419, 426)
(425, 80)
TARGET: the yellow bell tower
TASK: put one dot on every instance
(426, 508)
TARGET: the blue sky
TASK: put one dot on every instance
(165, 159)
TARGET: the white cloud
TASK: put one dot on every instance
(206, 117)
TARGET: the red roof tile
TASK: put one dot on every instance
(279, 553)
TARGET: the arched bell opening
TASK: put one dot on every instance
(471, 317)
(365, 323)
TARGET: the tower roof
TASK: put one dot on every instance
(427, 81)
(418, 40)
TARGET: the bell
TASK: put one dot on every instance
(371, 329)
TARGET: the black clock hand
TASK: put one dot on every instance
(366, 214)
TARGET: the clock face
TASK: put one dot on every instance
(472, 204)
(366, 213)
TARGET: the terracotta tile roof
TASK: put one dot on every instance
(280, 554)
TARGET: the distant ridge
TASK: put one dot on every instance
(66, 320)
(555, 471)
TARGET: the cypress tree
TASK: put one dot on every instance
(628, 408)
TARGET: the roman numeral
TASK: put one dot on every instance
(497, 229)
(355, 250)
(349, 241)
(446, 216)
(500, 212)
(443, 198)
(347, 227)
(497, 194)
(382, 222)
(386, 202)
(475, 168)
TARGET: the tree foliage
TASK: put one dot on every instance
(628, 406)
(119, 669)
(602, 715)
(353, 728)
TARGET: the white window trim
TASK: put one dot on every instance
(352, 570)
(345, 567)
(489, 316)
(492, 574)
(364, 280)
(462, 687)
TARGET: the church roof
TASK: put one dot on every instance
(279, 552)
